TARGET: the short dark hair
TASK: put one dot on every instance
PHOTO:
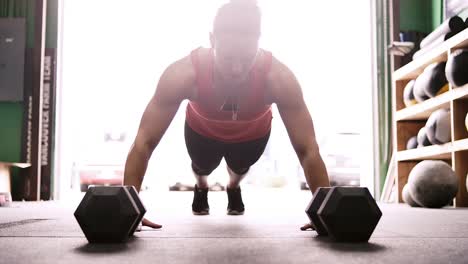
(239, 17)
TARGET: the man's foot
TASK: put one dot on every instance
(200, 201)
(235, 205)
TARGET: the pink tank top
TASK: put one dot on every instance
(250, 122)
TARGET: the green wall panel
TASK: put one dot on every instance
(420, 15)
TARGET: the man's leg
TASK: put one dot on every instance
(239, 157)
(202, 181)
(234, 178)
(206, 154)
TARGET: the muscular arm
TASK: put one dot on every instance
(286, 93)
(174, 86)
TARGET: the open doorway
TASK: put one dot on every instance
(114, 53)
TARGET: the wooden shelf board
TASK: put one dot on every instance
(460, 40)
(460, 92)
(430, 152)
(433, 152)
(423, 110)
(460, 145)
(439, 53)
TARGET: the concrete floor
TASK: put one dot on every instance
(46, 232)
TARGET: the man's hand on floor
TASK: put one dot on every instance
(307, 226)
(147, 222)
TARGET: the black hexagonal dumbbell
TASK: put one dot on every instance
(349, 214)
(109, 214)
(140, 206)
(313, 208)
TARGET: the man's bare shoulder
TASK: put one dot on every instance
(281, 82)
(180, 77)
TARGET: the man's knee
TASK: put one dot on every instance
(239, 171)
(204, 171)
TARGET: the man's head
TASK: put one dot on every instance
(235, 36)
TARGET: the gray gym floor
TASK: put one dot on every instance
(46, 232)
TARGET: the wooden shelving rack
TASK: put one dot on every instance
(408, 120)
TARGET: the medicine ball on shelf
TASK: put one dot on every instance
(423, 140)
(418, 89)
(412, 143)
(434, 80)
(457, 68)
(432, 183)
(407, 198)
(467, 182)
(438, 127)
(408, 95)
(466, 121)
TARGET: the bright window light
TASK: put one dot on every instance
(115, 51)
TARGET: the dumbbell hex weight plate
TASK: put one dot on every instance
(107, 214)
(313, 208)
(140, 206)
(350, 214)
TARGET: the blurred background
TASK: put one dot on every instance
(113, 58)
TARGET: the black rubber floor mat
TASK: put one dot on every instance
(21, 222)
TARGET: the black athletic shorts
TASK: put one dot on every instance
(206, 153)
